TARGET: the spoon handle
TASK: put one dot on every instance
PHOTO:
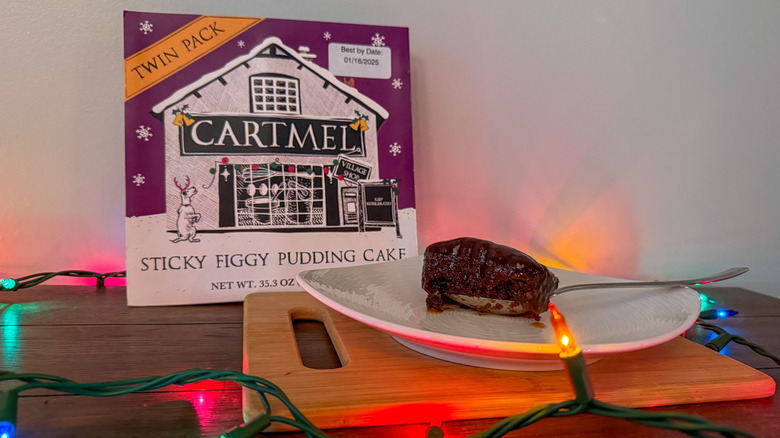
(720, 276)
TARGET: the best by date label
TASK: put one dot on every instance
(358, 61)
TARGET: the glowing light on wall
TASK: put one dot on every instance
(82, 247)
(557, 199)
(600, 239)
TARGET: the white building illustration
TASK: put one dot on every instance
(273, 142)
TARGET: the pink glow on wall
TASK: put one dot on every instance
(27, 246)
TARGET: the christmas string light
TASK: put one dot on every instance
(571, 355)
(12, 284)
(8, 405)
(7, 284)
(717, 313)
(434, 430)
(723, 338)
(706, 300)
(264, 388)
(584, 401)
(250, 429)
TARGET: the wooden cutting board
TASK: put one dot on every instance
(382, 382)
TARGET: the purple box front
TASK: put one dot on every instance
(257, 148)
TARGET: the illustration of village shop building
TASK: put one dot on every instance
(273, 142)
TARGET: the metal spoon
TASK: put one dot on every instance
(511, 307)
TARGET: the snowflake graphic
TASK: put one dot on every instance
(144, 132)
(139, 179)
(146, 27)
(395, 149)
(327, 36)
(378, 40)
(241, 44)
(397, 84)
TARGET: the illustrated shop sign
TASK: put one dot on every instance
(352, 170)
(243, 135)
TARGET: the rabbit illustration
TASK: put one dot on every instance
(185, 224)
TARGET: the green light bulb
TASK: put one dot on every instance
(8, 284)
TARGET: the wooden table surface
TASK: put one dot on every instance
(89, 334)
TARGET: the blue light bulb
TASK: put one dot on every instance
(7, 429)
(717, 313)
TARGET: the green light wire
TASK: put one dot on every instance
(584, 402)
(110, 389)
(12, 284)
(723, 337)
(688, 424)
(565, 409)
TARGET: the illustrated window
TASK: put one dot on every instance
(279, 194)
(275, 94)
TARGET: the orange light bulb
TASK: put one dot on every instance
(563, 335)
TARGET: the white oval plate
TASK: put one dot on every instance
(388, 296)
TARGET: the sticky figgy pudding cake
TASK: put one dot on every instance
(486, 276)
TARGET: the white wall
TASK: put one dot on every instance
(626, 138)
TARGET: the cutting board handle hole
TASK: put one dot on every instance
(315, 346)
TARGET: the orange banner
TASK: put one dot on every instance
(179, 49)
